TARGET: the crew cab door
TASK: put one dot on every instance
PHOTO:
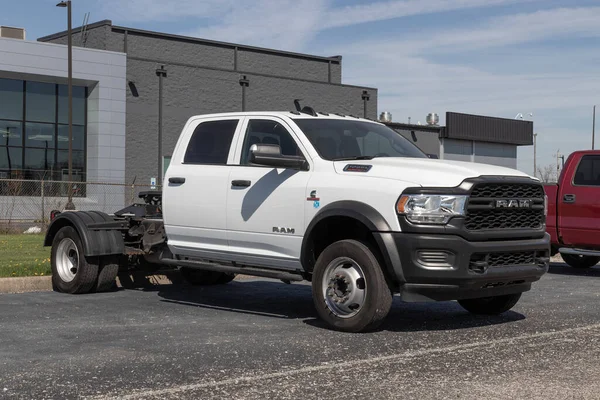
(265, 205)
(579, 204)
(196, 187)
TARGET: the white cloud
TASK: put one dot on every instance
(497, 75)
(385, 10)
(286, 24)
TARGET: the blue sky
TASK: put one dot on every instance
(491, 57)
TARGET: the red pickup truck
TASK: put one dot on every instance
(574, 210)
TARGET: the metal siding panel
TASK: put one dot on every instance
(488, 129)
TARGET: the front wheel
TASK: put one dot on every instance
(576, 261)
(490, 305)
(349, 289)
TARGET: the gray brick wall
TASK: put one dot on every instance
(281, 65)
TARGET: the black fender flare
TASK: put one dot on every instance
(95, 242)
(369, 217)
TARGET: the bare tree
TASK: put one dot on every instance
(547, 174)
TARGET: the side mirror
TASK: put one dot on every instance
(270, 155)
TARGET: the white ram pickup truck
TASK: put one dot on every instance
(343, 202)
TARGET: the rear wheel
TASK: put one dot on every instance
(576, 261)
(72, 272)
(109, 269)
(490, 305)
(349, 289)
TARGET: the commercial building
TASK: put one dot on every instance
(472, 138)
(34, 117)
(186, 76)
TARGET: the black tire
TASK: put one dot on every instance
(490, 305)
(376, 297)
(109, 269)
(67, 244)
(576, 261)
(199, 277)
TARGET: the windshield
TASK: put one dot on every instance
(340, 139)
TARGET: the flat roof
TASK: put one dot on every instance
(334, 59)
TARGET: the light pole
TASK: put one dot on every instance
(594, 127)
(535, 155)
(67, 4)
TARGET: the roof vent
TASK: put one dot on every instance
(433, 119)
(385, 117)
(12, 33)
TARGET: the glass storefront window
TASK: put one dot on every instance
(78, 105)
(34, 135)
(11, 99)
(78, 137)
(11, 133)
(39, 135)
(40, 103)
(11, 159)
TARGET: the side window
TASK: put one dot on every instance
(210, 142)
(588, 172)
(264, 131)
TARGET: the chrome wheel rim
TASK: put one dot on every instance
(344, 287)
(67, 260)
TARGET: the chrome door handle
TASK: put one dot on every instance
(569, 198)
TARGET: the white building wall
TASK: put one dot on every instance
(104, 73)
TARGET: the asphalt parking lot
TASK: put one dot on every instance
(260, 339)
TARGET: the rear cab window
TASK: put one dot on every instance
(588, 172)
(210, 142)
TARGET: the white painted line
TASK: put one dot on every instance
(347, 364)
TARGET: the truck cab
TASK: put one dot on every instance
(345, 203)
(574, 210)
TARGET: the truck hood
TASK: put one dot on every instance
(424, 171)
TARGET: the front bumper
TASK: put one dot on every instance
(468, 271)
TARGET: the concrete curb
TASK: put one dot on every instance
(133, 281)
(25, 284)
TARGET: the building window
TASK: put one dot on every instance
(34, 131)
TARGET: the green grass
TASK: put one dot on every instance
(24, 255)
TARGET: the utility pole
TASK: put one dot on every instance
(594, 127)
(535, 155)
(558, 156)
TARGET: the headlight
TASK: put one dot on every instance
(431, 209)
(545, 205)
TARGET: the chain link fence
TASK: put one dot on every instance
(26, 204)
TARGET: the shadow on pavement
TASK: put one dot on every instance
(277, 300)
(564, 269)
